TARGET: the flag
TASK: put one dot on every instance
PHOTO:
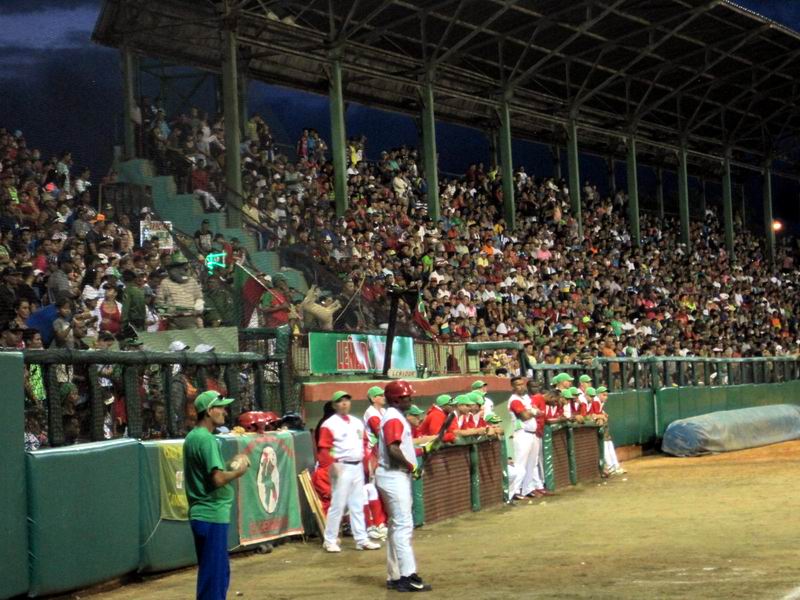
(174, 504)
(420, 317)
(249, 291)
(269, 504)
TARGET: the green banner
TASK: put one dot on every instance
(332, 353)
(269, 506)
(174, 504)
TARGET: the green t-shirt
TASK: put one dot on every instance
(201, 455)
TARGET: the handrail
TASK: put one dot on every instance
(139, 357)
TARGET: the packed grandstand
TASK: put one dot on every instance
(77, 275)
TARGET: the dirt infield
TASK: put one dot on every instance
(725, 526)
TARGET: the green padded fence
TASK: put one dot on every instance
(83, 514)
(13, 493)
(676, 403)
(631, 417)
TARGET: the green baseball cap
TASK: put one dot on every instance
(493, 419)
(476, 385)
(602, 389)
(374, 391)
(476, 397)
(570, 393)
(463, 399)
(444, 400)
(585, 379)
(415, 410)
(210, 399)
(591, 391)
(339, 395)
(560, 378)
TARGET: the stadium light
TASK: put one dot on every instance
(777, 226)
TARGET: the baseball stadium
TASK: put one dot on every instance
(346, 299)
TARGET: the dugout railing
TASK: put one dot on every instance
(115, 386)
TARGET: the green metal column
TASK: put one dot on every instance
(727, 202)
(243, 105)
(633, 193)
(129, 102)
(683, 193)
(557, 162)
(474, 477)
(230, 100)
(612, 176)
(509, 207)
(574, 173)
(338, 141)
(429, 141)
(660, 192)
(769, 232)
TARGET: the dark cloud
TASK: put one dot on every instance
(9, 7)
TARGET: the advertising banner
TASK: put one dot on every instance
(269, 505)
(333, 353)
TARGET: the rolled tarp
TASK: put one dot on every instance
(728, 430)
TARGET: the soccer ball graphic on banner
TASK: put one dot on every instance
(268, 480)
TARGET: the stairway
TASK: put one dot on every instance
(186, 213)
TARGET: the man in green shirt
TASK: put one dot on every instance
(210, 495)
(134, 309)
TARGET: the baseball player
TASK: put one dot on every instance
(341, 445)
(397, 465)
(527, 444)
(488, 405)
(563, 381)
(436, 416)
(373, 511)
(582, 402)
(609, 452)
(414, 416)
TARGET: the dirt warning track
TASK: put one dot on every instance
(724, 526)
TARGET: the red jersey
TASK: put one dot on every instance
(433, 423)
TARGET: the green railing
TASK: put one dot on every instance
(659, 372)
(163, 376)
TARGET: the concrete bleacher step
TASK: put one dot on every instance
(186, 214)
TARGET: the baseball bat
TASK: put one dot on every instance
(436, 443)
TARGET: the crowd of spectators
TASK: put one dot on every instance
(74, 274)
(468, 277)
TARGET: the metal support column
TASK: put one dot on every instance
(727, 202)
(338, 141)
(129, 102)
(557, 162)
(683, 193)
(612, 176)
(574, 173)
(633, 193)
(769, 232)
(243, 117)
(230, 100)
(660, 192)
(429, 141)
(703, 199)
(509, 208)
(494, 147)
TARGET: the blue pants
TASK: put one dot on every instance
(214, 572)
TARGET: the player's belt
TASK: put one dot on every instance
(349, 462)
(526, 431)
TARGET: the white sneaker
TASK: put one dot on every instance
(368, 545)
(374, 533)
(331, 547)
(383, 530)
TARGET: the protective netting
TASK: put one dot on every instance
(728, 430)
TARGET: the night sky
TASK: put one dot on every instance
(64, 91)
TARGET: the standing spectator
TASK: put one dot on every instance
(109, 311)
(134, 311)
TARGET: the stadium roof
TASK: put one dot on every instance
(705, 70)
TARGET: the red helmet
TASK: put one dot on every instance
(270, 420)
(398, 389)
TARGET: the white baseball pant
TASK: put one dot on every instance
(527, 452)
(395, 490)
(347, 483)
(610, 455)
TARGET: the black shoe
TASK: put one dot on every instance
(391, 584)
(412, 583)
